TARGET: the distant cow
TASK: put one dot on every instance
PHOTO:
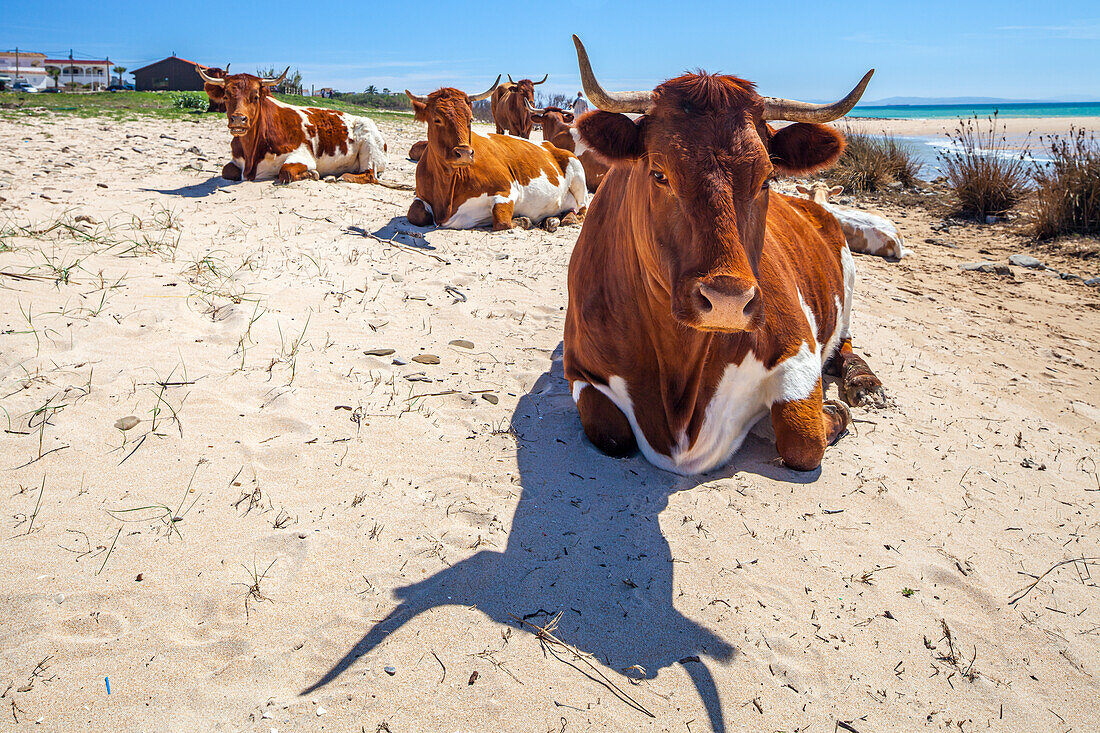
(866, 232)
(416, 152)
(509, 105)
(465, 179)
(272, 139)
(700, 301)
(213, 90)
(557, 127)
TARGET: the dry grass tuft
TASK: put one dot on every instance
(1068, 195)
(988, 176)
(873, 163)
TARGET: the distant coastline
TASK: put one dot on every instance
(1008, 110)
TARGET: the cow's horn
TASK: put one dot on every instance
(776, 108)
(543, 80)
(510, 79)
(636, 102)
(275, 82)
(210, 79)
(485, 95)
(416, 98)
(227, 69)
(532, 109)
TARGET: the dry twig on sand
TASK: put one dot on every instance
(1022, 593)
(553, 644)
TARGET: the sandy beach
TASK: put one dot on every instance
(274, 459)
(1014, 126)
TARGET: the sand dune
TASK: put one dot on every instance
(307, 530)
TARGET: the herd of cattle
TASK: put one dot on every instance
(699, 299)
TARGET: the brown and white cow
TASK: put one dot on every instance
(272, 139)
(509, 106)
(698, 301)
(557, 127)
(465, 179)
(865, 231)
(212, 90)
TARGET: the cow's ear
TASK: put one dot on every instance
(804, 147)
(802, 189)
(420, 110)
(216, 92)
(538, 118)
(567, 118)
(613, 136)
(836, 190)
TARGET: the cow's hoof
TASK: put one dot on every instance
(522, 222)
(838, 411)
(313, 175)
(864, 390)
(570, 219)
(551, 224)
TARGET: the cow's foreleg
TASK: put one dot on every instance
(364, 177)
(418, 215)
(604, 423)
(804, 427)
(291, 172)
(858, 384)
(231, 172)
(502, 217)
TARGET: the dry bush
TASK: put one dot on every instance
(989, 177)
(1068, 195)
(874, 162)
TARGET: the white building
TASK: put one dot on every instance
(35, 68)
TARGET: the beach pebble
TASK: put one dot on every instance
(986, 267)
(320, 711)
(940, 242)
(378, 352)
(86, 218)
(1022, 260)
(59, 598)
(491, 398)
(1069, 276)
(267, 715)
(398, 361)
(194, 150)
(426, 359)
(128, 422)
(463, 343)
(1093, 281)
(391, 670)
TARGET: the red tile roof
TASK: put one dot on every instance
(76, 61)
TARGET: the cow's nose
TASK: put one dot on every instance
(237, 120)
(728, 304)
(463, 154)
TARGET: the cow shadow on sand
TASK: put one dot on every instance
(196, 190)
(585, 541)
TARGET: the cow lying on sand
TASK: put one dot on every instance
(864, 231)
(558, 128)
(276, 140)
(509, 106)
(465, 179)
(699, 301)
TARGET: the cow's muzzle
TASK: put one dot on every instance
(462, 155)
(238, 125)
(724, 303)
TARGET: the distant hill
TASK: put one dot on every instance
(899, 101)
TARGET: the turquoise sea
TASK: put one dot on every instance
(955, 111)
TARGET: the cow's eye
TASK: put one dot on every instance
(438, 120)
(660, 177)
(766, 186)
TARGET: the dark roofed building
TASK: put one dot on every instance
(170, 74)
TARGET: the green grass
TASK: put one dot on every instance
(130, 105)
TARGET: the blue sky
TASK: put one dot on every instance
(806, 49)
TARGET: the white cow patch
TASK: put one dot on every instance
(868, 233)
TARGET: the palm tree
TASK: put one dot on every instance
(55, 74)
(372, 89)
(120, 70)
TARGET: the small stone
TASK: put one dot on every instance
(320, 711)
(378, 352)
(127, 423)
(267, 715)
(102, 185)
(426, 359)
(977, 266)
(1093, 281)
(1069, 276)
(59, 598)
(194, 150)
(1021, 260)
(491, 398)
(940, 242)
(391, 670)
(85, 218)
(139, 577)
(301, 535)
(398, 361)
(463, 343)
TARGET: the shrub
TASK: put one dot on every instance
(1068, 195)
(871, 163)
(989, 177)
(197, 101)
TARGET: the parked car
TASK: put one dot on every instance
(22, 86)
(121, 88)
(52, 90)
